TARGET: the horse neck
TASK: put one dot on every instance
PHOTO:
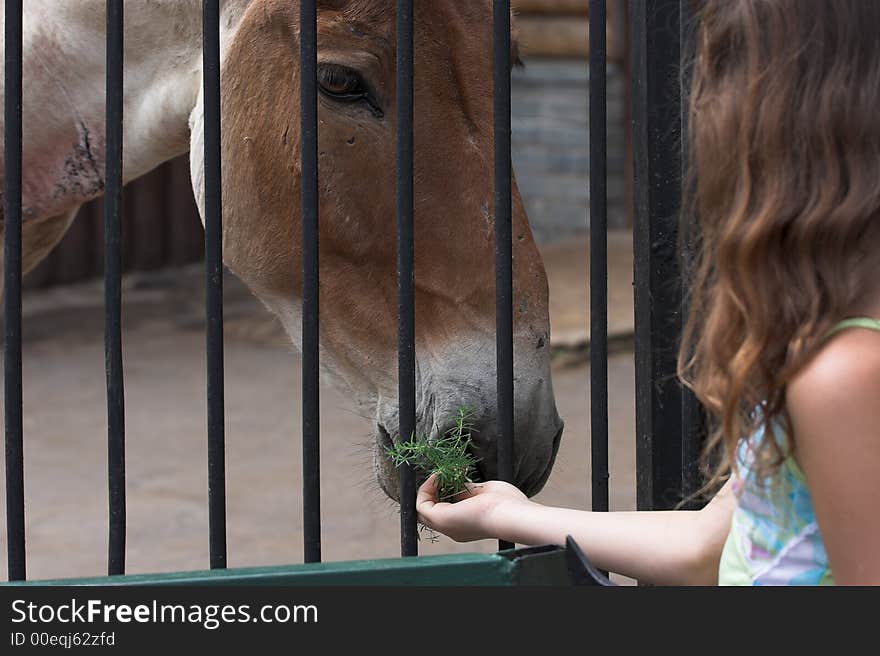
(163, 68)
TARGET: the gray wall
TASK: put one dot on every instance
(551, 146)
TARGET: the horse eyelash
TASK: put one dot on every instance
(334, 76)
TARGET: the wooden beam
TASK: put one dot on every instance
(560, 28)
(557, 7)
(553, 36)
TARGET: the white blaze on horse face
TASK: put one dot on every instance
(232, 12)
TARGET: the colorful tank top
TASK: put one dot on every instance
(774, 538)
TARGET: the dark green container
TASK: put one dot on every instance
(533, 566)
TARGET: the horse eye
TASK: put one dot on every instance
(341, 83)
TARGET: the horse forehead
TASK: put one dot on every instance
(447, 32)
(371, 11)
(361, 11)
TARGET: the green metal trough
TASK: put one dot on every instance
(550, 565)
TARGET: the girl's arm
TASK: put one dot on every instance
(664, 547)
(834, 405)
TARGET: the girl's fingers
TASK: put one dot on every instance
(427, 495)
(429, 509)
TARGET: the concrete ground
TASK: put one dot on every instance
(65, 428)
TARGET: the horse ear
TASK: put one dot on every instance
(515, 55)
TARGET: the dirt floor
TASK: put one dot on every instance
(65, 428)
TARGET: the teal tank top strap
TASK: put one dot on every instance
(855, 322)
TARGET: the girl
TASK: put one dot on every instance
(785, 322)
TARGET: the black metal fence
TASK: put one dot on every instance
(666, 416)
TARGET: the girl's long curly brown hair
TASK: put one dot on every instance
(785, 150)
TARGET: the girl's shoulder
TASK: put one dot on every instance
(838, 393)
(846, 367)
(834, 408)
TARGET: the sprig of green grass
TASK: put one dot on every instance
(449, 456)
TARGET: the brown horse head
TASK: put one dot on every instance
(454, 216)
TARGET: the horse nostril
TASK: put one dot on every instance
(478, 475)
(384, 437)
(421, 477)
(487, 466)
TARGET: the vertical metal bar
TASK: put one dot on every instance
(12, 290)
(406, 322)
(503, 244)
(214, 285)
(310, 291)
(113, 292)
(598, 258)
(660, 401)
(693, 429)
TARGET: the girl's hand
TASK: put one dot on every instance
(477, 514)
